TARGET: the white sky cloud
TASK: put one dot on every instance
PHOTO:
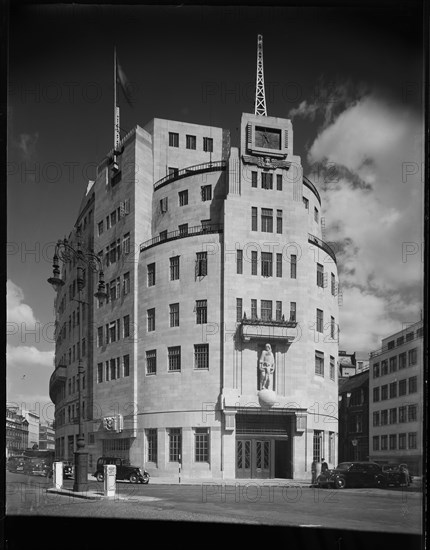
(17, 311)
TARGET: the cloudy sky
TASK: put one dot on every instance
(350, 79)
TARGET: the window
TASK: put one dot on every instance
(239, 313)
(279, 221)
(412, 440)
(393, 442)
(99, 373)
(400, 340)
(174, 315)
(402, 441)
(190, 142)
(113, 218)
(266, 264)
(316, 214)
(412, 413)
(384, 417)
(293, 266)
(174, 268)
(206, 191)
(320, 320)
(412, 357)
(319, 363)
(376, 418)
(208, 145)
(151, 361)
(375, 441)
(376, 370)
(254, 179)
(317, 445)
(375, 395)
(384, 367)
(254, 261)
(239, 261)
(183, 229)
(266, 180)
(174, 358)
(402, 361)
(254, 309)
(384, 442)
(113, 369)
(393, 390)
(266, 310)
(107, 371)
(183, 197)
(420, 332)
(151, 319)
(393, 416)
(173, 139)
(84, 347)
(126, 365)
(267, 220)
(390, 344)
(163, 235)
(201, 264)
(306, 203)
(126, 283)
(201, 356)
(320, 275)
(402, 414)
(151, 274)
(201, 312)
(175, 444)
(100, 337)
(151, 440)
(279, 265)
(413, 384)
(384, 392)
(402, 387)
(409, 336)
(293, 312)
(393, 364)
(112, 332)
(100, 227)
(332, 368)
(164, 204)
(171, 171)
(201, 444)
(279, 311)
(332, 328)
(254, 215)
(279, 182)
(333, 285)
(126, 244)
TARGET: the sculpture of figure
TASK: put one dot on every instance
(267, 367)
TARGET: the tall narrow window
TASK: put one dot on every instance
(201, 312)
(183, 229)
(254, 215)
(201, 444)
(208, 145)
(151, 274)
(332, 369)
(172, 171)
(239, 261)
(175, 444)
(254, 309)
(279, 265)
(333, 285)
(332, 328)
(279, 311)
(126, 283)
(206, 191)
(254, 178)
(316, 214)
(320, 275)
(319, 363)
(201, 356)
(201, 264)
(306, 203)
(174, 358)
(126, 365)
(183, 197)
(174, 268)
(126, 244)
(152, 447)
(267, 220)
(151, 319)
(99, 373)
(173, 139)
(320, 320)
(266, 310)
(293, 311)
(266, 180)
(293, 266)
(151, 361)
(279, 221)
(279, 182)
(254, 261)
(266, 264)
(317, 445)
(126, 326)
(239, 313)
(174, 315)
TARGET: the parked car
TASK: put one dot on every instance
(124, 470)
(353, 474)
(395, 476)
(37, 467)
(16, 463)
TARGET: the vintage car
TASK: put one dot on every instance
(124, 471)
(16, 463)
(68, 469)
(353, 474)
(394, 475)
(37, 467)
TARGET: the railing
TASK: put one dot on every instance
(191, 170)
(181, 233)
(375, 353)
(324, 246)
(312, 187)
(269, 322)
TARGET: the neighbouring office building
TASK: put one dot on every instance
(396, 399)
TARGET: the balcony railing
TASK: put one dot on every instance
(181, 234)
(191, 171)
(291, 323)
(324, 246)
(312, 187)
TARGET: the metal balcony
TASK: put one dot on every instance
(191, 171)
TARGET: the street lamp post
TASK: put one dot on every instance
(65, 252)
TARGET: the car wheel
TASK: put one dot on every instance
(145, 481)
(340, 483)
(133, 478)
(100, 476)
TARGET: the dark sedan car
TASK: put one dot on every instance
(124, 470)
(353, 474)
(396, 475)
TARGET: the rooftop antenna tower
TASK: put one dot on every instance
(260, 96)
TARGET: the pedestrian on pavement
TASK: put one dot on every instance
(314, 472)
(404, 475)
(324, 466)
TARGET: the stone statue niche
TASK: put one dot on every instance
(266, 367)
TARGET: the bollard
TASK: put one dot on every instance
(109, 482)
(58, 474)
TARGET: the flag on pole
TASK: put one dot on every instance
(124, 83)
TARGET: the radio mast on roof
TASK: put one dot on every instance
(260, 96)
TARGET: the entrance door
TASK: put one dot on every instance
(283, 459)
(261, 464)
(243, 458)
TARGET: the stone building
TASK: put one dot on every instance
(16, 432)
(396, 399)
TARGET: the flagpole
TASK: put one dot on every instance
(114, 100)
